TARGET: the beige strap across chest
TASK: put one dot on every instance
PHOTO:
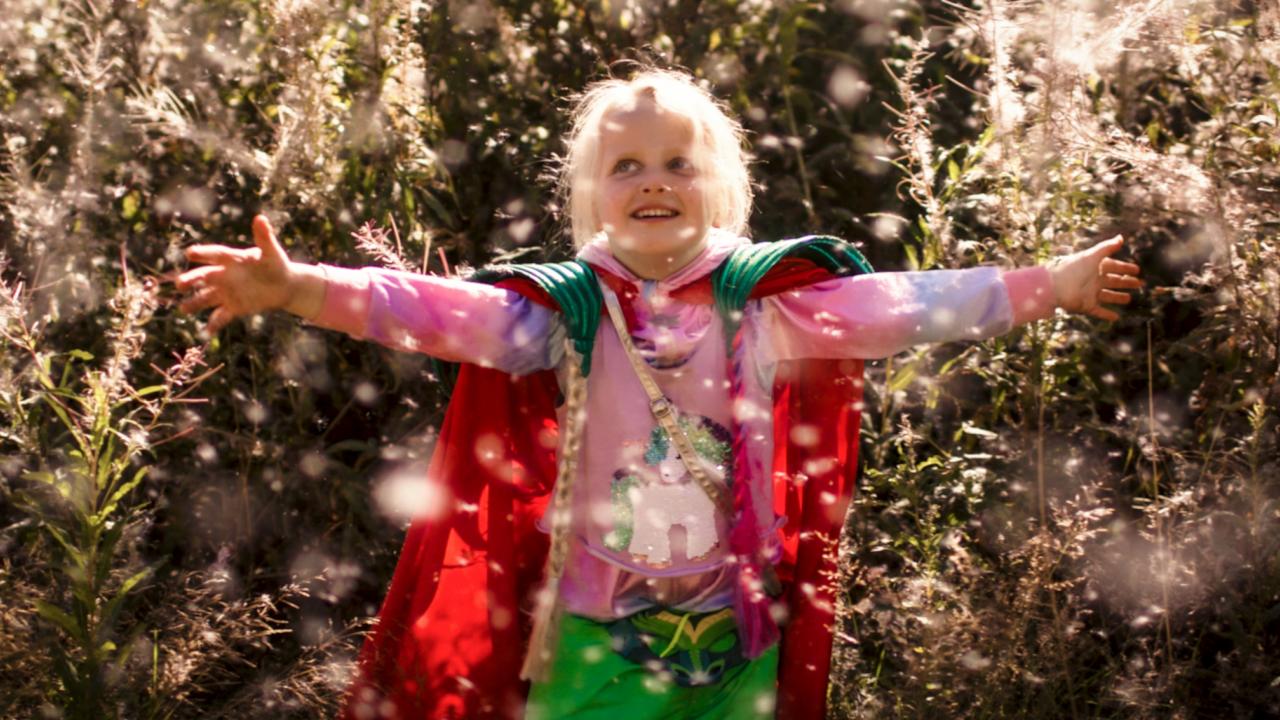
(666, 413)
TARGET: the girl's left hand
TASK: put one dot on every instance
(1083, 281)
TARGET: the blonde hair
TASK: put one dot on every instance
(719, 140)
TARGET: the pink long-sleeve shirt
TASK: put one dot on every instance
(644, 533)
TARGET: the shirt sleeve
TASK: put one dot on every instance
(880, 314)
(446, 318)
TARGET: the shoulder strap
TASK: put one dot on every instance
(737, 276)
(666, 415)
(572, 286)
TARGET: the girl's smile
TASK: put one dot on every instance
(649, 196)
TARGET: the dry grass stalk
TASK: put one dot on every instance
(375, 242)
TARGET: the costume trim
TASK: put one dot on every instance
(574, 289)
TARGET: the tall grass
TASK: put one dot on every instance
(1056, 524)
(1075, 520)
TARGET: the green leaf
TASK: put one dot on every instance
(952, 363)
(923, 224)
(107, 462)
(445, 217)
(124, 490)
(60, 411)
(1153, 132)
(149, 390)
(930, 255)
(988, 135)
(101, 418)
(953, 170)
(59, 617)
(113, 607)
(70, 365)
(128, 646)
(913, 260)
(43, 476)
(67, 674)
(902, 377)
(77, 557)
(134, 579)
(804, 23)
(120, 492)
(129, 205)
(85, 599)
(106, 553)
(43, 368)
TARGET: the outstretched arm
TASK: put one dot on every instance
(446, 318)
(881, 314)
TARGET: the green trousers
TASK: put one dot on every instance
(589, 680)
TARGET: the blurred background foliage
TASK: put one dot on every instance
(1076, 520)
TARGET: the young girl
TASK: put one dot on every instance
(675, 481)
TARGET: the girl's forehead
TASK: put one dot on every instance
(645, 119)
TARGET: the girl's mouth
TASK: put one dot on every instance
(653, 213)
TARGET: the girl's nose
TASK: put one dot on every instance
(655, 187)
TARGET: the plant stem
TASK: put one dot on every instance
(799, 148)
(1041, 346)
(1162, 544)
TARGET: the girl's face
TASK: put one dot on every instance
(648, 195)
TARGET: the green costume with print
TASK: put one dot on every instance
(591, 680)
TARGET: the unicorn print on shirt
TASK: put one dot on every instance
(659, 510)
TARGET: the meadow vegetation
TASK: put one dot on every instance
(1079, 519)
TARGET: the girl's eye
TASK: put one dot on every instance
(680, 164)
(624, 166)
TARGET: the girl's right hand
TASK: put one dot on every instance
(241, 281)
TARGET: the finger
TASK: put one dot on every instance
(265, 238)
(1111, 265)
(219, 319)
(214, 254)
(1122, 281)
(1104, 314)
(200, 276)
(206, 298)
(1114, 298)
(1108, 247)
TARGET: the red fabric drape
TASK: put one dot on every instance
(451, 632)
(817, 416)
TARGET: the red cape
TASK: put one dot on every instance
(460, 657)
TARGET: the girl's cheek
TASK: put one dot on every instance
(614, 195)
